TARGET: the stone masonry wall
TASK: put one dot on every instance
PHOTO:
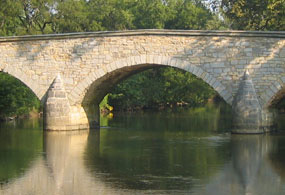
(219, 58)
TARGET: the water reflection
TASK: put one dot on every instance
(250, 170)
(61, 170)
(65, 167)
(18, 148)
(63, 158)
(147, 158)
(155, 160)
(277, 157)
(248, 154)
(203, 121)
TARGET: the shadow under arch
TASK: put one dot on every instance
(93, 88)
(275, 103)
(273, 94)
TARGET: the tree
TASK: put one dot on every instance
(110, 15)
(160, 87)
(26, 17)
(188, 15)
(7, 19)
(70, 16)
(253, 15)
(149, 14)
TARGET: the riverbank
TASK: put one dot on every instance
(33, 114)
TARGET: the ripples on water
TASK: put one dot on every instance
(190, 152)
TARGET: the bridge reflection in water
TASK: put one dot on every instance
(61, 170)
(251, 170)
(254, 168)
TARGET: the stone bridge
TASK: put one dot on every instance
(71, 73)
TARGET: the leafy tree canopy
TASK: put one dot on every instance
(160, 87)
(252, 15)
(59, 16)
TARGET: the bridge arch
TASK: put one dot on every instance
(122, 68)
(33, 86)
(274, 93)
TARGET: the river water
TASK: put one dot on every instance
(169, 152)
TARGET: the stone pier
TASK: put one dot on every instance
(60, 116)
(248, 115)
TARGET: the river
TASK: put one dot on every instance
(170, 152)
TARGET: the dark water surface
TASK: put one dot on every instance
(170, 152)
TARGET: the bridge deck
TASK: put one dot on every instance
(269, 34)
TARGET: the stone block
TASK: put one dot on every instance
(190, 68)
(60, 94)
(218, 65)
(283, 79)
(200, 72)
(195, 70)
(282, 53)
(172, 62)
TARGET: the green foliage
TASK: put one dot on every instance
(159, 88)
(254, 14)
(104, 105)
(70, 16)
(110, 15)
(187, 15)
(149, 14)
(8, 21)
(59, 16)
(26, 17)
(15, 98)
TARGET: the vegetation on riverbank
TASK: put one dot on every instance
(160, 88)
(154, 88)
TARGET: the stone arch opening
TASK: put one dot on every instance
(85, 98)
(275, 104)
(128, 66)
(28, 82)
(22, 98)
(276, 97)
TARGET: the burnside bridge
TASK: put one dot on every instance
(71, 73)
